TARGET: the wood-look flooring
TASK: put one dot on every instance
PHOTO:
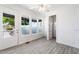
(41, 46)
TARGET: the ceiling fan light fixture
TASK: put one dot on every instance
(43, 8)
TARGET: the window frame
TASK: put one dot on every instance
(24, 35)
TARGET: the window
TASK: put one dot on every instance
(8, 25)
(40, 25)
(34, 26)
(24, 25)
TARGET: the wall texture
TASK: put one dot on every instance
(67, 25)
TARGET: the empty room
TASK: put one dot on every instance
(39, 28)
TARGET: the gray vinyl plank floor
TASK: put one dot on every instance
(41, 46)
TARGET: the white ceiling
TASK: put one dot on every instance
(35, 7)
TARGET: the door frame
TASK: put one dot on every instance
(48, 22)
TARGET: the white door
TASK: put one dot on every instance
(9, 35)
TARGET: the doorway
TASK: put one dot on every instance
(52, 27)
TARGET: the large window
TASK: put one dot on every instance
(8, 25)
(24, 25)
(34, 26)
(40, 25)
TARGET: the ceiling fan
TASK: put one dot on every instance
(43, 8)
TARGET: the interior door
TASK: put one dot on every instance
(54, 21)
(9, 33)
(50, 27)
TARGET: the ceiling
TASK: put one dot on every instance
(50, 7)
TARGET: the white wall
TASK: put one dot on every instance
(46, 25)
(67, 25)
